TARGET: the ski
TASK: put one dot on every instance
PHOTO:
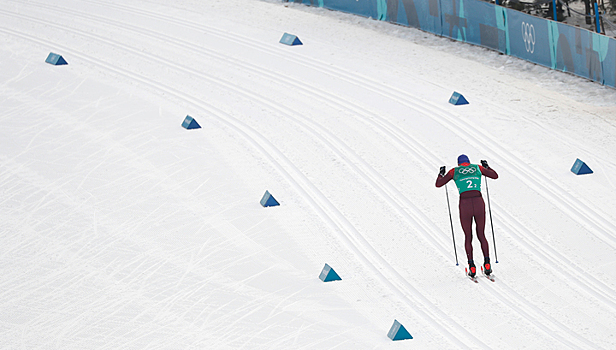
(490, 276)
(474, 279)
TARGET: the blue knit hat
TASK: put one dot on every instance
(463, 159)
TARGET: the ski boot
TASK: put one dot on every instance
(487, 268)
(472, 269)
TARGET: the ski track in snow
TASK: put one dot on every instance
(416, 301)
(418, 149)
(603, 228)
(378, 266)
(384, 126)
(353, 233)
(361, 247)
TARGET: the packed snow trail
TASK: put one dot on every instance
(337, 138)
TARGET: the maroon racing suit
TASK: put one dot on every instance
(471, 206)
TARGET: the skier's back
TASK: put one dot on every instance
(467, 178)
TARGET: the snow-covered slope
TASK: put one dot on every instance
(119, 229)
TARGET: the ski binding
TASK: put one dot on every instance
(474, 279)
(490, 276)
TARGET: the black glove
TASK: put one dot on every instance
(484, 163)
(442, 171)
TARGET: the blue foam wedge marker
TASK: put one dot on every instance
(55, 59)
(328, 274)
(580, 168)
(457, 99)
(268, 200)
(190, 123)
(290, 39)
(398, 332)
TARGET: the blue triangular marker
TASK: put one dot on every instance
(268, 200)
(290, 39)
(328, 274)
(55, 59)
(190, 123)
(398, 332)
(457, 99)
(580, 168)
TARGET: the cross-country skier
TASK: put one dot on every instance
(467, 177)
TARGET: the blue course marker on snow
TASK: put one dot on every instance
(580, 168)
(328, 274)
(457, 99)
(398, 332)
(290, 39)
(268, 200)
(55, 59)
(190, 123)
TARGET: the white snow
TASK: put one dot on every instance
(119, 229)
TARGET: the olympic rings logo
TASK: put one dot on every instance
(465, 171)
(528, 34)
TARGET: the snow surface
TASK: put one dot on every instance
(119, 229)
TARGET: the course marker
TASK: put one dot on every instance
(457, 99)
(290, 39)
(268, 200)
(328, 274)
(190, 123)
(580, 168)
(398, 332)
(55, 59)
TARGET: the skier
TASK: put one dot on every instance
(467, 177)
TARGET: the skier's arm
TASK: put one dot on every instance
(487, 171)
(443, 179)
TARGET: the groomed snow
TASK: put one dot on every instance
(119, 229)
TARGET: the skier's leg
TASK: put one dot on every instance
(479, 208)
(466, 220)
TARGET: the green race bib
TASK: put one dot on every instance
(467, 178)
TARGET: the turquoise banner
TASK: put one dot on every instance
(538, 40)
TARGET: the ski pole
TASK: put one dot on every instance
(451, 222)
(491, 222)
